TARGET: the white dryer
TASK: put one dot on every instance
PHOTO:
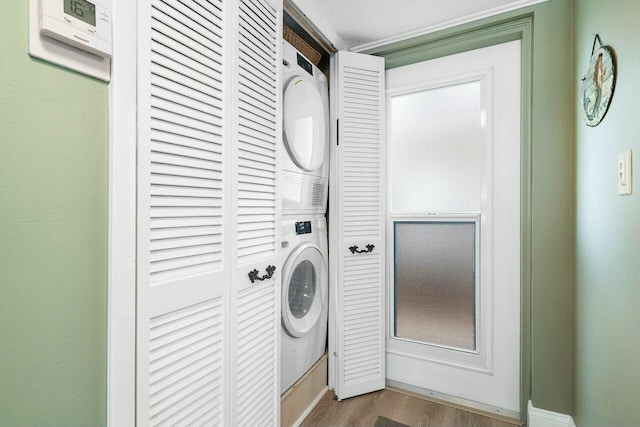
(305, 135)
(305, 291)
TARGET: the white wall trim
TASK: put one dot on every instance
(121, 292)
(447, 24)
(542, 418)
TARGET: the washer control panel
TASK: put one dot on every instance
(303, 227)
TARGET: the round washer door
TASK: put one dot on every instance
(305, 123)
(304, 289)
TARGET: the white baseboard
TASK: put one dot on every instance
(543, 418)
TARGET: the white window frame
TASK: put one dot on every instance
(477, 360)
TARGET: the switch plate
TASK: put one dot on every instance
(624, 172)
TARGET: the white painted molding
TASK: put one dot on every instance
(121, 292)
(542, 418)
(444, 25)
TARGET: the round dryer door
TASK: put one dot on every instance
(304, 289)
(305, 123)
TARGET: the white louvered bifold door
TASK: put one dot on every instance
(256, 128)
(360, 244)
(183, 274)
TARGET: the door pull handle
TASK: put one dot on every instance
(354, 249)
(255, 274)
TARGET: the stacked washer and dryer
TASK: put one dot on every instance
(305, 177)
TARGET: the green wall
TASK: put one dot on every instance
(547, 350)
(53, 234)
(607, 228)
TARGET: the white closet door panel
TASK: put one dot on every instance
(257, 127)
(257, 351)
(360, 243)
(186, 366)
(182, 275)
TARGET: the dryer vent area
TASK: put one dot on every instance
(301, 35)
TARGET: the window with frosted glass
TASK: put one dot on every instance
(435, 283)
(437, 145)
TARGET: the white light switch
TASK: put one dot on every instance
(624, 172)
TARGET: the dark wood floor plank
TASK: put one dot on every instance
(362, 411)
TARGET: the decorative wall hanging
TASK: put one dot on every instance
(598, 84)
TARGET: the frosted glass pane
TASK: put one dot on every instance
(435, 283)
(436, 147)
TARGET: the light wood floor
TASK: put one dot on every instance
(362, 411)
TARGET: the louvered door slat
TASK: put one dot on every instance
(174, 148)
(262, 73)
(183, 46)
(185, 105)
(182, 281)
(170, 43)
(204, 148)
(185, 363)
(253, 95)
(184, 191)
(256, 381)
(360, 222)
(166, 29)
(263, 118)
(257, 128)
(257, 114)
(187, 22)
(163, 47)
(252, 73)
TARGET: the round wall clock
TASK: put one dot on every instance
(597, 86)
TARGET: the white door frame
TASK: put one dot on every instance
(121, 289)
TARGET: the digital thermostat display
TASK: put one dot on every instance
(82, 10)
(81, 24)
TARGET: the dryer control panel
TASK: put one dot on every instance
(304, 64)
(303, 227)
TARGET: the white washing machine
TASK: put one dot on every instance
(305, 135)
(305, 288)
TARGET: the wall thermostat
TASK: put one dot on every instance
(82, 24)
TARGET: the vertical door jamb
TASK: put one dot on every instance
(121, 290)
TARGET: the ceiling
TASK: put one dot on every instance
(364, 23)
